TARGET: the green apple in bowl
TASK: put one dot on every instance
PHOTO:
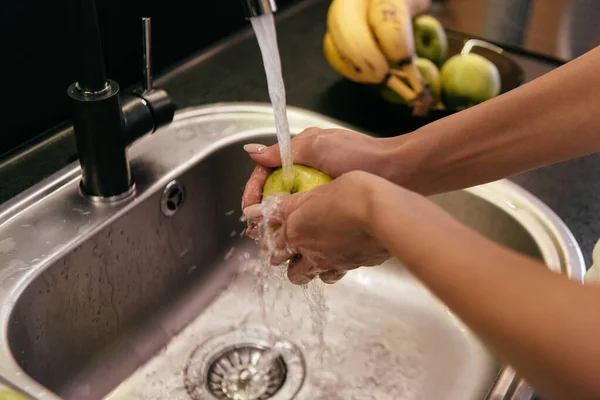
(469, 79)
(305, 179)
(430, 37)
(431, 76)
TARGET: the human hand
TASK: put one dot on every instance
(332, 151)
(325, 231)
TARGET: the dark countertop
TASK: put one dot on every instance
(233, 71)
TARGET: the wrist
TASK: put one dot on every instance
(403, 162)
(371, 191)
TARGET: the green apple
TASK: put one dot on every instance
(469, 79)
(431, 79)
(305, 179)
(431, 76)
(11, 395)
(431, 41)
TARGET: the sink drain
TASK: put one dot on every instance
(241, 373)
(241, 365)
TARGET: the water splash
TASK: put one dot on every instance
(271, 282)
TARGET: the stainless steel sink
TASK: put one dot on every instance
(153, 297)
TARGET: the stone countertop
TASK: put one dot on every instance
(233, 71)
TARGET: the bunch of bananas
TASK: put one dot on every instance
(365, 37)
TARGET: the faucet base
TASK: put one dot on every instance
(107, 200)
(100, 135)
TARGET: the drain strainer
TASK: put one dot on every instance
(242, 365)
(242, 373)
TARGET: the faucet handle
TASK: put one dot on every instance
(147, 53)
(148, 109)
(157, 100)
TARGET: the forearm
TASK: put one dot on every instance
(544, 325)
(551, 119)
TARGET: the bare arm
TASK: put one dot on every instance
(551, 119)
(543, 324)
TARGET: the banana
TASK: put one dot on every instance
(362, 35)
(350, 47)
(341, 64)
(347, 24)
(391, 24)
(349, 70)
(390, 21)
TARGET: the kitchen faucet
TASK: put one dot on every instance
(105, 121)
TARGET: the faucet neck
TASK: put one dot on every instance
(256, 8)
(89, 59)
(101, 143)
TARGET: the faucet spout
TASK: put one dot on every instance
(256, 8)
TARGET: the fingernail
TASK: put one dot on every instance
(252, 212)
(254, 148)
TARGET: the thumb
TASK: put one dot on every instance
(267, 156)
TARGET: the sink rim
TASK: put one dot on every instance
(556, 242)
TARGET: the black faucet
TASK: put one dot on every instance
(257, 8)
(105, 121)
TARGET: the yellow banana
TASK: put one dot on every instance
(347, 24)
(348, 69)
(391, 24)
(341, 64)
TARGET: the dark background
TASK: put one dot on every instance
(36, 63)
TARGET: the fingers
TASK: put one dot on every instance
(254, 187)
(290, 203)
(276, 218)
(302, 150)
(266, 156)
(281, 256)
(252, 230)
(301, 271)
(332, 276)
(281, 250)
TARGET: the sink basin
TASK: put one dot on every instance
(159, 296)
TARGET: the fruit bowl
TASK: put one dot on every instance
(511, 75)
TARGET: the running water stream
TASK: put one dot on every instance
(264, 28)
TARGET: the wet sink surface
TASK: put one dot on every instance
(385, 337)
(156, 296)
